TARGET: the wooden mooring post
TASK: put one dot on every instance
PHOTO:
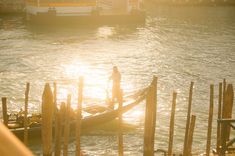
(188, 120)
(224, 87)
(190, 135)
(67, 126)
(4, 111)
(218, 141)
(26, 114)
(172, 122)
(57, 116)
(79, 116)
(47, 116)
(58, 127)
(208, 145)
(55, 103)
(61, 116)
(150, 119)
(120, 131)
(228, 107)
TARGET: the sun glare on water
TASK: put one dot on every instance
(105, 31)
(95, 83)
(97, 88)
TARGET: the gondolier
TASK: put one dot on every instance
(116, 78)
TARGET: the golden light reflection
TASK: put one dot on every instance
(105, 31)
(95, 83)
(74, 70)
(62, 94)
(134, 116)
(97, 87)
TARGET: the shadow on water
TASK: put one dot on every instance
(9, 22)
(112, 30)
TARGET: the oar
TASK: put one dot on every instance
(107, 93)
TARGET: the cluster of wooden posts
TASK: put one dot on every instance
(225, 108)
(60, 120)
(225, 121)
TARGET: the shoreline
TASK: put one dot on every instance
(11, 8)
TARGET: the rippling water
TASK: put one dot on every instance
(178, 44)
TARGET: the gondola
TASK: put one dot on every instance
(88, 121)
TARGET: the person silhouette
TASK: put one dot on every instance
(116, 78)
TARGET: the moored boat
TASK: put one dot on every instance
(84, 11)
(89, 121)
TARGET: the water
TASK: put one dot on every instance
(178, 44)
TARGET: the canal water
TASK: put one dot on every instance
(177, 44)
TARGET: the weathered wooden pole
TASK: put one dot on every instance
(79, 116)
(224, 93)
(208, 145)
(228, 108)
(154, 111)
(57, 121)
(172, 122)
(26, 114)
(4, 111)
(150, 119)
(218, 142)
(224, 85)
(63, 110)
(188, 120)
(190, 135)
(58, 127)
(61, 113)
(55, 100)
(224, 108)
(120, 135)
(62, 119)
(147, 128)
(47, 116)
(224, 126)
(67, 126)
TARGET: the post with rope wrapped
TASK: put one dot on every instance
(188, 120)
(120, 135)
(150, 118)
(172, 121)
(4, 111)
(208, 145)
(47, 117)
(67, 126)
(79, 116)
(26, 114)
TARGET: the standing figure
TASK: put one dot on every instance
(116, 77)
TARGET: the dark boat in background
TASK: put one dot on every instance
(84, 11)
